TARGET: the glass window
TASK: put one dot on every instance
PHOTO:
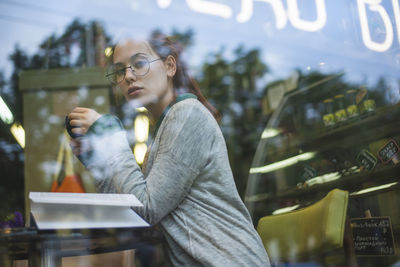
(305, 95)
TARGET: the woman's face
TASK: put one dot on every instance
(147, 89)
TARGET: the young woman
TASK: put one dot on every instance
(186, 184)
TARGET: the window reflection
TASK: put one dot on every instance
(291, 79)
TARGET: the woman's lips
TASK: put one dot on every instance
(134, 90)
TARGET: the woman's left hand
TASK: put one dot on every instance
(82, 119)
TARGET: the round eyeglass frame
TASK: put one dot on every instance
(110, 74)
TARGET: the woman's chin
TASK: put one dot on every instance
(141, 100)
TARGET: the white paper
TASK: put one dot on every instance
(84, 210)
(61, 216)
(127, 200)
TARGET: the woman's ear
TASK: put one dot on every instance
(170, 64)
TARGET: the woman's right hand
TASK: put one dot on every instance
(82, 119)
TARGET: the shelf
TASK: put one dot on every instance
(351, 183)
(383, 124)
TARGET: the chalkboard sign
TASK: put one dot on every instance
(366, 159)
(388, 151)
(373, 236)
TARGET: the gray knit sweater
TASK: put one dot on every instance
(187, 187)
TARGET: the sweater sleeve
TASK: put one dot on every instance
(182, 153)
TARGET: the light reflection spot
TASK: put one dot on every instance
(53, 119)
(99, 100)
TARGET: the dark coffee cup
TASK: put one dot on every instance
(69, 128)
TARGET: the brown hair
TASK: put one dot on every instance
(182, 81)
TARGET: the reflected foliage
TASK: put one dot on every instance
(12, 173)
(77, 47)
(231, 85)
(11, 163)
(20, 61)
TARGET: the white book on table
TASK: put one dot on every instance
(84, 210)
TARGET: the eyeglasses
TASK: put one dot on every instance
(139, 65)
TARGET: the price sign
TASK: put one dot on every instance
(373, 236)
(366, 159)
(388, 151)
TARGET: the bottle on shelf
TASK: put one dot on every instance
(351, 107)
(329, 116)
(340, 108)
(366, 105)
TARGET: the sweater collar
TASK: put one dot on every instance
(178, 99)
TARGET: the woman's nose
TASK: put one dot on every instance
(130, 74)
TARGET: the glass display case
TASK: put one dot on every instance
(329, 134)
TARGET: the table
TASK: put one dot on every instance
(46, 248)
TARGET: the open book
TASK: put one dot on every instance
(84, 210)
